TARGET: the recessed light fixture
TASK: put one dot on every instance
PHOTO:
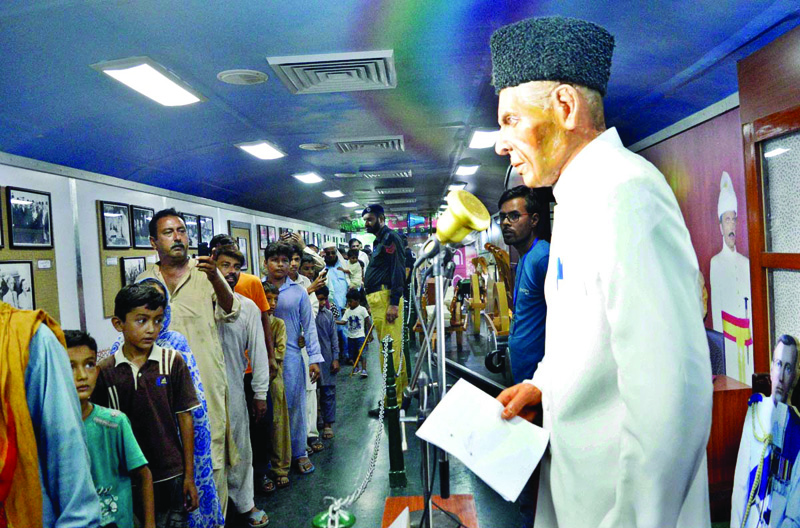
(261, 150)
(308, 177)
(776, 152)
(242, 77)
(482, 139)
(334, 194)
(150, 79)
(350, 204)
(457, 186)
(467, 167)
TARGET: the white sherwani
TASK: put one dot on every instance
(730, 286)
(626, 376)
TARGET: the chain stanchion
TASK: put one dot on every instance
(397, 471)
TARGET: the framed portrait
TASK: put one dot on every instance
(192, 229)
(140, 226)
(263, 236)
(130, 268)
(206, 229)
(116, 225)
(16, 284)
(273, 234)
(242, 243)
(30, 217)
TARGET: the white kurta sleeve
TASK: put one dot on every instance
(256, 345)
(648, 277)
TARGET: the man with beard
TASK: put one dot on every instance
(239, 338)
(384, 282)
(625, 385)
(200, 299)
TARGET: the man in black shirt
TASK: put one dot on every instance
(384, 282)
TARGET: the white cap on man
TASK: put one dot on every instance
(727, 196)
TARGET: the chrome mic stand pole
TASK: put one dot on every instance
(440, 263)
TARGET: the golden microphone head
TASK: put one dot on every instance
(464, 214)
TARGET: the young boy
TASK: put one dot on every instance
(153, 387)
(115, 454)
(281, 449)
(356, 321)
(356, 275)
(329, 346)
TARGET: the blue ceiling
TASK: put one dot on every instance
(672, 59)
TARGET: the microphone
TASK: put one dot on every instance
(464, 214)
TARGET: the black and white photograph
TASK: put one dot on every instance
(242, 243)
(116, 225)
(16, 284)
(29, 218)
(192, 229)
(140, 225)
(263, 236)
(206, 229)
(131, 267)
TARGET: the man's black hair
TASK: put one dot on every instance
(153, 227)
(279, 249)
(536, 201)
(296, 251)
(323, 291)
(353, 294)
(352, 253)
(133, 296)
(221, 240)
(787, 340)
(350, 242)
(307, 259)
(76, 338)
(271, 288)
(232, 251)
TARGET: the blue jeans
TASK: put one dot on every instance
(354, 344)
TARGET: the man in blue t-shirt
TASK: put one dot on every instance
(525, 222)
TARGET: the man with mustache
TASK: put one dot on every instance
(199, 298)
(730, 289)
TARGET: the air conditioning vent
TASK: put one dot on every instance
(372, 144)
(396, 201)
(336, 72)
(375, 175)
(394, 190)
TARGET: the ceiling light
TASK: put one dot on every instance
(482, 139)
(150, 79)
(457, 186)
(308, 177)
(261, 150)
(467, 167)
(776, 152)
(334, 194)
(350, 204)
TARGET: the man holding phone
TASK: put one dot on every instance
(200, 297)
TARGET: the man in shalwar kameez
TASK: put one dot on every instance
(625, 383)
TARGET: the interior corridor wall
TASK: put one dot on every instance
(86, 194)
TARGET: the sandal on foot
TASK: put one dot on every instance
(281, 482)
(316, 445)
(304, 466)
(267, 485)
(327, 433)
(257, 519)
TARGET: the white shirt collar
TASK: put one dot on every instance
(155, 355)
(569, 181)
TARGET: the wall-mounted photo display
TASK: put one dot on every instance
(140, 226)
(131, 267)
(16, 284)
(29, 218)
(1, 225)
(206, 229)
(192, 229)
(263, 236)
(116, 225)
(242, 243)
(273, 234)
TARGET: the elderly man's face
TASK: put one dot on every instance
(727, 226)
(330, 256)
(782, 374)
(529, 134)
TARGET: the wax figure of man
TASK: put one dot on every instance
(765, 484)
(240, 338)
(625, 383)
(525, 223)
(45, 470)
(384, 282)
(200, 298)
(730, 289)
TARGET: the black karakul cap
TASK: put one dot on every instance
(376, 209)
(552, 49)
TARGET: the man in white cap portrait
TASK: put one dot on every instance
(730, 290)
(625, 382)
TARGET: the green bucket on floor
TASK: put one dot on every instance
(346, 519)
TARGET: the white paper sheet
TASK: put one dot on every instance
(467, 424)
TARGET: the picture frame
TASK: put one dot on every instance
(241, 242)
(206, 229)
(1, 227)
(29, 216)
(192, 229)
(263, 236)
(115, 225)
(130, 268)
(140, 226)
(17, 284)
(272, 231)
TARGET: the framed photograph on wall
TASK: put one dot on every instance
(116, 225)
(29, 216)
(140, 226)
(273, 234)
(130, 268)
(206, 229)
(263, 236)
(242, 243)
(192, 229)
(16, 284)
